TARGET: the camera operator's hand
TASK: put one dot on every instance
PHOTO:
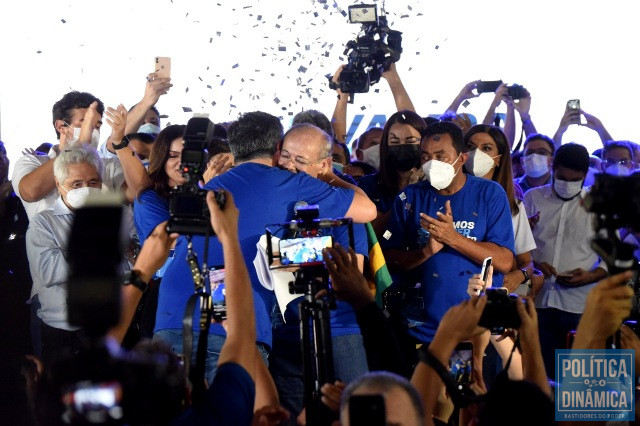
(607, 305)
(117, 119)
(523, 105)
(271, 415)
(629, 340)
(336, 80)
(476, 283)
(346, 279)
(547, 269)
(461, 321)
(532, 363)
(390, 73)
(155, 251)
(332, 394)
(223, 221)
(502, 95)
(528, 330)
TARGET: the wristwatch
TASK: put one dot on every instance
(527, 278)
(123, 144)
(135, 280)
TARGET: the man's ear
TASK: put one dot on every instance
(359, 154)
(325, 166)
(60, 126)
(463, 158)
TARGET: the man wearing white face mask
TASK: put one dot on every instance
(441, 229)
(77, 174)
(76, 119)
(563, 254)
(536, 161)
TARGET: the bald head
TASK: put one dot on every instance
(306, 148)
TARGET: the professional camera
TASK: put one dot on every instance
(189, 214)
(500, 312)
(371, 53)
(516, 91)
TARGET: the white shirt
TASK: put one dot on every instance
(563, 237)
(112, 177)
(47, 239)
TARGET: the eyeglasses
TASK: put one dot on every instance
(412, 139)
(624, 163)
(299, 161)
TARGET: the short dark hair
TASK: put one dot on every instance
(540, 137)
(365, 134)
(617, 144)
(572, 156)
(449, 128)
(345, 149)
(70, 101)
(367, 168)
(254, 135)
(142, 137)
(315, 117)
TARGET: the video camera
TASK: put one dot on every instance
(371, 53)
(188, 211)
(500, 312)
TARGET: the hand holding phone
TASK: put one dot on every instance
(162, 67)
(484, 273)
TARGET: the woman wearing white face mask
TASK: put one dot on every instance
(490, 158)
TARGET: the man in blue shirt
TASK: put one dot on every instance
(264, 195)
(442, 228)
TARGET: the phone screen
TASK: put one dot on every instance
(304, 251)
(216, 281)
(484, 273)
(488, 86)
(461, 363)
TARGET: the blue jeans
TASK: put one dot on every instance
(349, 359)
(173, 337)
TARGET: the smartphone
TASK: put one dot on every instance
(304, 251)
(488, 86)
(573, 104)
(162, 66)
(561, 278)
(484, 273)
(367, 410)
(461, 364)
(216, 281)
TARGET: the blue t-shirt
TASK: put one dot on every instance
(149, 211)
(369, 184)
(264, 195)
(480, 212)
(343, 318)
(228, 401)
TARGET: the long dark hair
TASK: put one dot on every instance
(159, 156)
(503, 173)
(389, 178)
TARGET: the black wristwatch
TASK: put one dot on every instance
(526, 276)
(123, 144)
(135, 280)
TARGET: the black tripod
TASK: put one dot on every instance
(317, 350)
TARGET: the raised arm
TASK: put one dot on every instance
(135, 175)
(400, 95)
(465, 93)
(570, 116)
(523, 106)
(239, 347)
(596, 125)
(339, 119)
(154, 88)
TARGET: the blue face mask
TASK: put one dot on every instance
(149, 128)
(338, 166)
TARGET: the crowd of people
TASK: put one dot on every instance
(437, 195)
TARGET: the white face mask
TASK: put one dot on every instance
(439, 173)
(95, 137)
(149, 128)
(479, 163)
(536, 165)
(371, 156)
(618, 170)
(567, 190)
(77, 197)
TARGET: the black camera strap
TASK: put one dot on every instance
(203, 296)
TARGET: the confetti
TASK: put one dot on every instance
(282, 48)
(386, 235)
(402, 196)
(63, 21)
(235, 66)
(466, 103)
(302, 69)
(276, 100)
(187, 109)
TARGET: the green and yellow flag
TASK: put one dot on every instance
(379, 277)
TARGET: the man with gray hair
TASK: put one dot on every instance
(307, 148)
(402, 404)
(77, 171)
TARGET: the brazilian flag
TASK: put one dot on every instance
(378, 273)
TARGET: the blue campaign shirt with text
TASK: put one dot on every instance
(264, 195)
(480, 211)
